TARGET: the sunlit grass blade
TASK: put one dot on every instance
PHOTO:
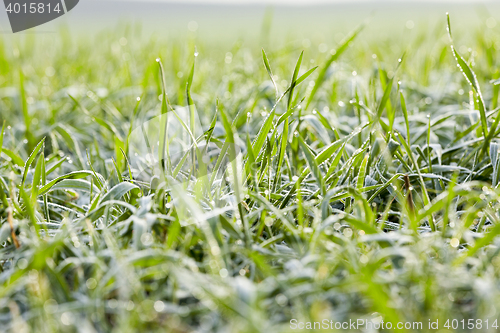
(313, 166)
(472, 79)
(336, 54)
(269, 72)
(30, 160)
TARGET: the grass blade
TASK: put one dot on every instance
(338, 52)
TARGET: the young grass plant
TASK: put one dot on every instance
(289, 202)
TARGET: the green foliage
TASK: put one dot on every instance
(305, 194)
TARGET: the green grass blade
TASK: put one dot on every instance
(269, 72)
(30, 160)
(294, 78)
(333, 57)
(472, 79)
(313, 165)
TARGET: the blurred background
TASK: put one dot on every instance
(227, 20)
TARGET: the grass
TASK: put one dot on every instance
(356, 183)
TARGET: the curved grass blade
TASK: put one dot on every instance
(473, 82)
(268, 68)
(294, 78)
(72, 175)
(313, 165)
(30, 160)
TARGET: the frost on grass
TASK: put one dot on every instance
(249, 195)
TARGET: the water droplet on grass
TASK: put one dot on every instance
(22, 263)
(281, 299)
(91, 283)
(215, 250)
(347, 232)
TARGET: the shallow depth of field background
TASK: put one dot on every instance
(371, 192)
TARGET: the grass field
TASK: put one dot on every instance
(311, 180)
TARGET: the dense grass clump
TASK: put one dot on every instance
(359, 182)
